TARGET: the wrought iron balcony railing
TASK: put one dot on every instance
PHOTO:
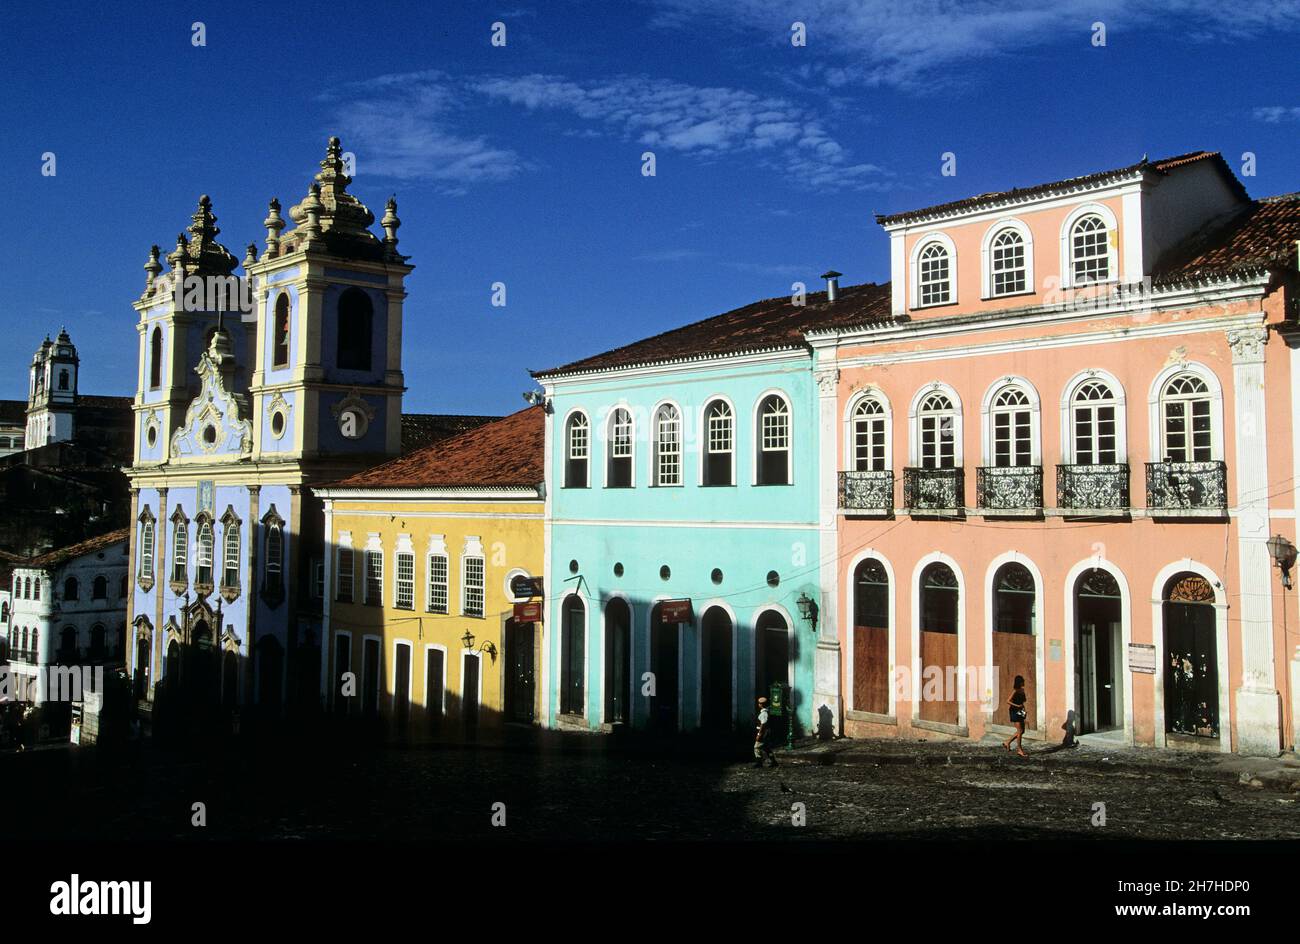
(1187, 486)
(1014, 489)
(1093, 488)
(933, 491)
(867, 492)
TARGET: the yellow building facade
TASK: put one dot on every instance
(432, 560)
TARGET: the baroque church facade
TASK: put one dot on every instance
(251, 392)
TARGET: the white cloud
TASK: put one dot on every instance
(1276, 114)
(909, 43)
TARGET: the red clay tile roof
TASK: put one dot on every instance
(1161, 166)
(423, 429)
(52, 558)
(772, 324)
(506, 453)
(1262, 235)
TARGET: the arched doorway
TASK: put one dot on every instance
(573, 656)
(1098, 652)
(1191, 669)
(715, 674)
(521, 684)
(940, 599)
(771, 652)
(201, 679)
(618, 653)
(663, 663)
(871, 637)
(1015, 650)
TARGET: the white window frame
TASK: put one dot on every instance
(655, 452)
(345, 544)
(437, 551)
(1067, 239)
(473, 551)
(756, 424)
(914, 269)
(1069, 455)
(1214, 393)
(986, 258)
(915, 415)
(875, 395)
(373, 547)
(407, 554)
(988, 409)
(566, 445)
(611, 441)
(706, 444)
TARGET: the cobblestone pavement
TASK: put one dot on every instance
(849, 790)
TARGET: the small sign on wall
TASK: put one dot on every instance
(1142, 658)
(1054, 650)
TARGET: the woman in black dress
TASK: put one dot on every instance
(1016, 708)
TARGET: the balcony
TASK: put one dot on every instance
(1009, 491)
(934, 492)
(1187, 489)
(867, 493)
(1093, 490)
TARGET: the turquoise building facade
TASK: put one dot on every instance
(681, 534)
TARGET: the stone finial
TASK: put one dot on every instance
(250, 255)
(311, 227)
(273, 224)
(178, 257)
(390, 223)
(151, 269)
(332, 168)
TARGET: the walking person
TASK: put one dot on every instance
(762, 731)
(1016, 709)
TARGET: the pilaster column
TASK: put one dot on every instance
(1258, 729)
(827, 690)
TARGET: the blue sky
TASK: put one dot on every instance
(522, 164)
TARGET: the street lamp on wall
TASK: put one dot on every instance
(808, 609)
(486, 646)
(1283, 553)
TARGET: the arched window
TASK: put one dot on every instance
(668, 446)
(27, 589)
(869, 434)
(155, 358)
(936, 432)
(204, 553)
(355, 330)
(99, 589)
(1187, 432)
(230, 556)
(280, 332)
(577, 450)
(36, 593)
(180, 550)
(146, 549)
(619, 471)
(68, 644)
(1013, 599)
(97, 640)
(939, 599)
(1089, 250)
(1093, 424)
(573, 660)
(122, 587)
(63, 380)
(934, 282)
(720, 444)
(1008, 273)
(773, 435)
(272, 582)
(1012, 429)
(70, 589)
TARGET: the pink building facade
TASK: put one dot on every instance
(1061, 456)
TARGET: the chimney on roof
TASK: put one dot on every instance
(832, 284)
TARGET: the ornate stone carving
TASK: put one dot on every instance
(1247, 344)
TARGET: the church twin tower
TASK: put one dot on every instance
(252, 388)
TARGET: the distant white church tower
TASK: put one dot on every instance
(52, 393)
